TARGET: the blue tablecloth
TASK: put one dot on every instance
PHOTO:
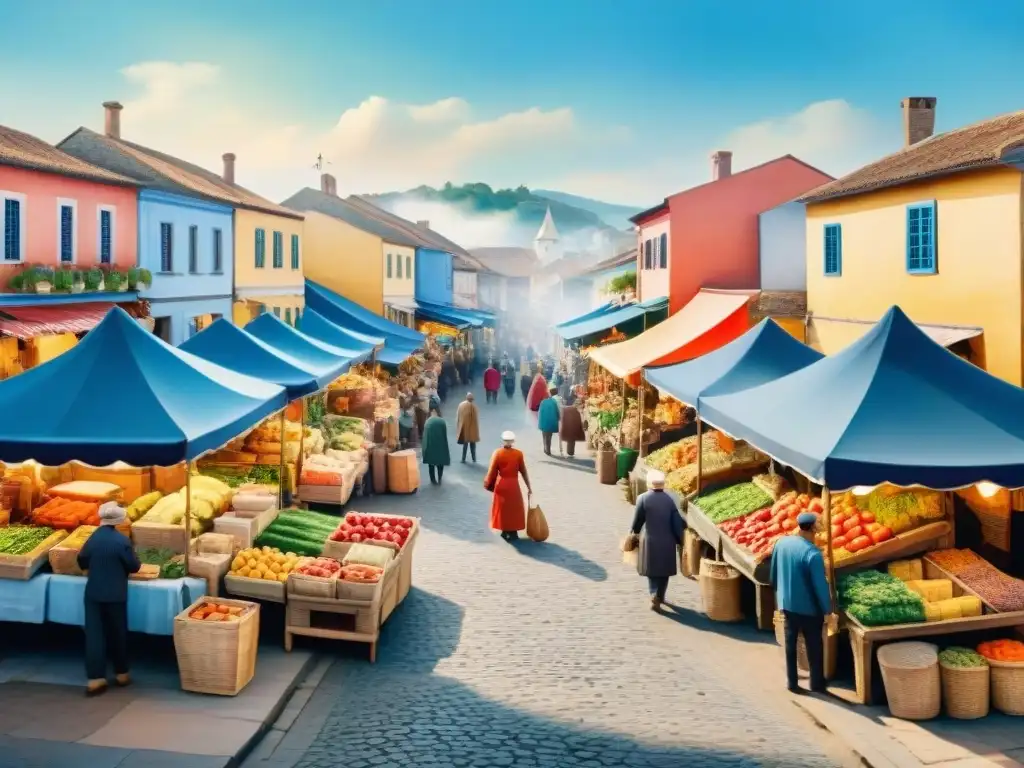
(24, 601)
(152, 605)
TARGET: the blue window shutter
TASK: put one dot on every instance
(166, 247)
(261, 248)
(833, 250)
(408, 267)
(295, 251)
(277, 311)
(218, 254)
(398, 266)
(106, 257)
(664, 251)
(67, 234)
(193, 249)
(922, 236)
(278, 250)
(647, 254)
(389, 265)
(12, 230)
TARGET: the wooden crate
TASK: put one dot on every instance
(134, 481)
(259, 589)
(23, 567)
(311, 586)
(326, 494)
(160, 536)
(349, 620)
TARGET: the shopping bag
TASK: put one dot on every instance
(631, 557)
(630, 542)
(537, 524)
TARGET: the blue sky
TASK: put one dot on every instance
(611, 99)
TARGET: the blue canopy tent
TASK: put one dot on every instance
(445, 317)
(471, 316)
(893, 407)
(348, 314)
(323, 359)
(610, 319)
(122, 394)
(318, 327)
(228, 345)
(602, 310)
(764, 353)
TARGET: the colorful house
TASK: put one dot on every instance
(192, 225)
(601, 276)
(64, 225)
(708, 236)
(934, 228)
(356, 254)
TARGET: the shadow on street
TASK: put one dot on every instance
(557, 555)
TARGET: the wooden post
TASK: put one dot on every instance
(700, 453)
(826, 501)
(622, 421)
(281, 469)
(188, 512)
(302, 439)
(640, 414)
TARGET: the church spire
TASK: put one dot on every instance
(547, 230)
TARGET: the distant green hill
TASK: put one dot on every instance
(479, 198)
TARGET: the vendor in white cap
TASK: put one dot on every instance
(508, 513)
(658, 518)
(109, 558)
(801, 593)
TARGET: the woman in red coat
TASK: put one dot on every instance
(538, 392)
(492, 383)
(508, 513)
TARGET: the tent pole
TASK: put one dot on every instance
(826, 502)
(700, 453)
(302, 438)
(281, 469)
(188, 512)
(640, 415)
(622, 421)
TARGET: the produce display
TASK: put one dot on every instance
(669, 411)
(962, 657)
(78, 538)
(65, 514)
(213, 611)
(335, 467)
(22, 539)
(356, 528)
(171, 565)
(359, 573)
(210, 497)
(1000, 590)
(878, 599)
(264, 563)
(772, 484)
(854, 529)
(236, 477)
(369, 554)
(142, 505)
(1003, 650)
(734, 501)
(297, 530)
(321, 567)
(898, 509)
(758, 531)
(678, 460)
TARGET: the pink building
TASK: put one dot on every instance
(58, 211)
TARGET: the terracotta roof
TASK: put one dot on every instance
(618, 260)
(509, 262)
(309, 199)
(22, 150)
(159, 170)
(981, 145)
(658, 209)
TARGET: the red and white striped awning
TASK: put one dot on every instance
(28, 322)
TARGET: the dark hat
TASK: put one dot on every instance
(806, 520)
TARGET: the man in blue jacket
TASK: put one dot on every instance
(801, 593)
(108, 557)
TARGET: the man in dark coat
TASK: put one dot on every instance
(508, 375)
(657, 515)
(108, 557)
(801, 593)
(436, 454)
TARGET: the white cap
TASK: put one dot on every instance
(112, 513)
(655, 479)
(508, 436)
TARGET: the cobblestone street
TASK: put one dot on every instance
(545, 654)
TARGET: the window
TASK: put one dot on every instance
(833, 249)
(193, 327)
(166, 247)
(663, 251)
(398, 272)
(105, 235)
(921, 239)
(66, 231)
(278, 250)
(298, 317)
(277, 311)
(648, 264)
(408, 267)
(261, 248)
(389, 265)
(193, 249)
(13, 226)
(295, 251)
(288, 315)
(218, 251)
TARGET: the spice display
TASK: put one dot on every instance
(962, 657)
(1002, 650)
(878, 599)
(22, 539)
(734, 501)
(1000, 590)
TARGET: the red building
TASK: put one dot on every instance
(713, 238)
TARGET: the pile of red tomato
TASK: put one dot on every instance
(855, 530)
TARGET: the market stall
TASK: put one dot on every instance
(888, 418)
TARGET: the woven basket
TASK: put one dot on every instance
(720, 591)
(965, 691)
(830, 646)
(217, 657)
(692, 546)
(910, 672)
(1008, 686)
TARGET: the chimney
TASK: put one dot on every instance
(721, 165)
(229, 167)
(424, 224)
(112, 119)
(328, 185)
(918, 118)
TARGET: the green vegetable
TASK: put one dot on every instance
(22, 539)
(173, 569)
(265, 475)
(307, 517)
(732, 502)
(962, 657)
(878, 599)
(287, 543)
(315, 410)
(154, 556)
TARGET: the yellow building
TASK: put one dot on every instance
(934, 228)
(269, 272)
(355, 254)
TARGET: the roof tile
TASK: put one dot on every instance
(23, 150)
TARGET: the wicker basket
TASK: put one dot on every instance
(606, 467)
(1008, 686)
(311, 586)
(217, 657)
(357, 590)
(720, 590)
(965, 691)
(692, 546)
(910, 672)
(830, 646)
(259, 589)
